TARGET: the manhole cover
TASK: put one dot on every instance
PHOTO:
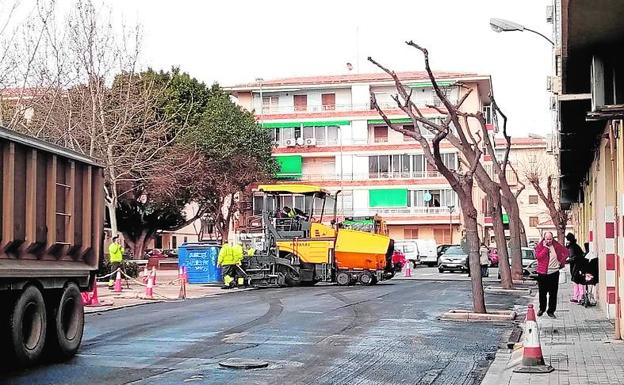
(243, 363)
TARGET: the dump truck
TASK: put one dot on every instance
(51, 229)
(300, 249)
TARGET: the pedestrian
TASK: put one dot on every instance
(484, 260)
(551, 257)
(227, 262)
(115, 254)
(494, 257)
(577, 268)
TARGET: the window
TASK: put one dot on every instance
(380, 134)
(332, 134)
(319, 133)
(328, 101)
(533, 199)
(270, 104)
(487, 114)
(185, 239)
(442, 236)
(410, 233)
(345, 203)
(450, 160)
(301, 102)
(418, 166)
(439, 198)
(174, 242)
(533, 221)
(500, 154)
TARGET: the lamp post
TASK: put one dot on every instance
(260, 80)
(451, 209)
(502, 25)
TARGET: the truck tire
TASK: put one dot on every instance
(366, 278)
(27, 327)
(343, 278)
(65, 324)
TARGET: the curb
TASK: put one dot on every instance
(467, 315)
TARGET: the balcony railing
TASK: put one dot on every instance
(362, 177)
(277, 109)
(394, 211)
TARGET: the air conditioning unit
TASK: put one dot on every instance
(290, 142)
(549, 14)
(310, 142)
(549, 83)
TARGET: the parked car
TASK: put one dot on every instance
(409, 249)
(427, 251)
(453, 259)
(441, 249)
(529, 262)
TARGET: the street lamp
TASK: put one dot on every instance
(260, 80)
(451, 209)
(502, 25)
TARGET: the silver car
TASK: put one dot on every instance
(453, 259)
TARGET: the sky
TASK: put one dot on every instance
(233, 42)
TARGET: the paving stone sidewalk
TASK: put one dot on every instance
(579, 344)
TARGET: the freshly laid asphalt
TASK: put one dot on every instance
(383, 334)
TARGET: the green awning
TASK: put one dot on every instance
(387, 197)
(306, 124)
(396, 121)
(441, 83)
(289, 166)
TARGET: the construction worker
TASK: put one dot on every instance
(115, 253)
(227, 261)
(237, 249)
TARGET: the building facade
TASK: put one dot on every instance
(590, 106)
(326, 133)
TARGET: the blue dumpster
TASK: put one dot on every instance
(200, 260)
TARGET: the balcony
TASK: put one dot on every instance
(361, 176)
(293, 109)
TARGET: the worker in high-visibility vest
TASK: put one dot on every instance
(115, 253)
(227, 261)
(237, 249)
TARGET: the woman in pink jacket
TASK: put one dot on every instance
(551, 257)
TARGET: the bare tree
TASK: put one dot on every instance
(541, 173)
(461, 181)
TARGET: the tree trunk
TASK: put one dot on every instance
(137, 246)
(499, 233)
(523, 237)
(561, 235)
(472, 238)
(111, 206)
(511, 206)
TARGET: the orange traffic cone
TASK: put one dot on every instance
(149, 289)
(145, 274)
(408, 270)
(95, 300)
(532, 358)
(182, 294)
(118, 288)
(154, 275)
(86, 299)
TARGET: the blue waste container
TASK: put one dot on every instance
(200, 260)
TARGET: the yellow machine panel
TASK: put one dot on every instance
(308, 250)
(358, 249)
(319, 230)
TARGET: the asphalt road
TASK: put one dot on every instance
(384, 334)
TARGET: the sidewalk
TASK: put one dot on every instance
(578, 344)
(165, 291)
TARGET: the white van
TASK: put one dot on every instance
(427, 251)
(409, 249)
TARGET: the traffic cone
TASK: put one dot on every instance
(118, 288)
(86, 300)
(95, 300)
(181, 273)
(154, 275)
(408, 270)
(532, 358)
(185, 270)
(145, 274)
(149, 289)
(182, 294)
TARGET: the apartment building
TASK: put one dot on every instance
(326, 133)
(589, 99)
